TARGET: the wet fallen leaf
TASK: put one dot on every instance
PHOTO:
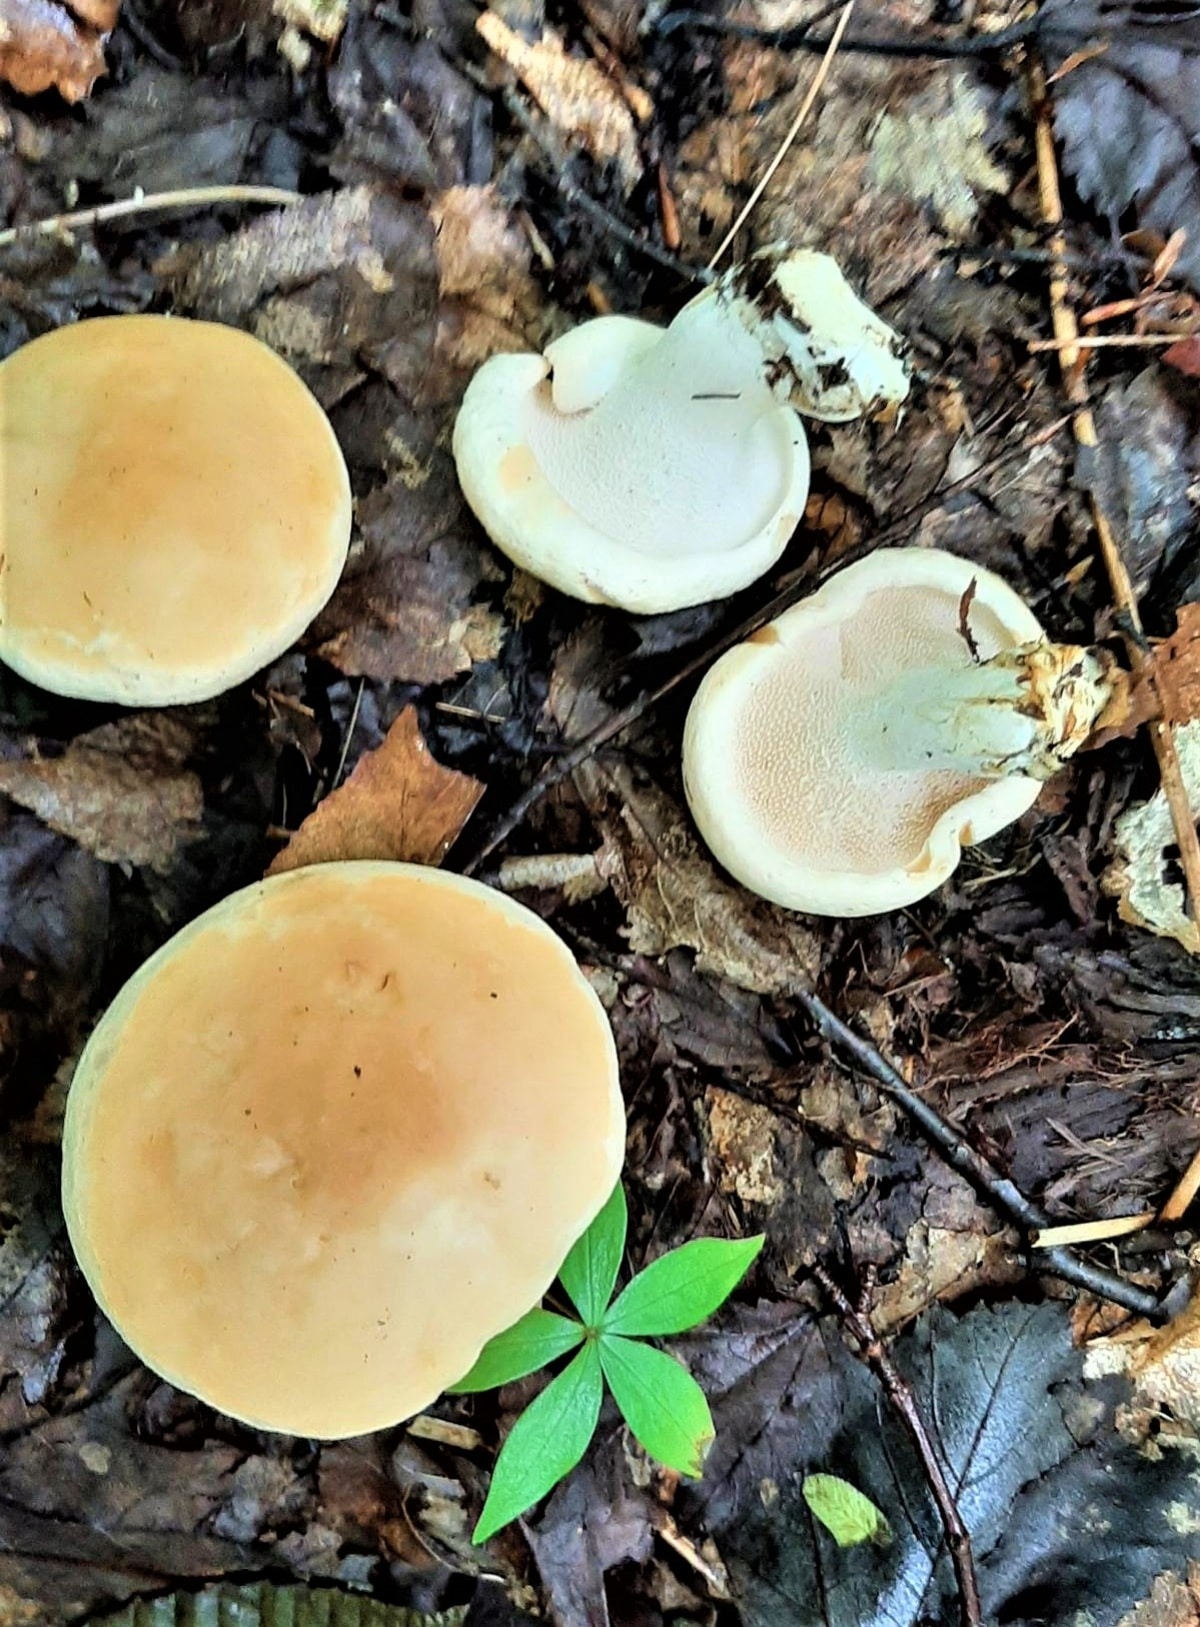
(121, 791)
(576, 95)
(1141, 877)
(399, 803)
(45, 44)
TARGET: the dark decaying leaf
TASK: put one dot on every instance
(1064, 1517)
(47, 44)
(1128, 115)
(258, 1604)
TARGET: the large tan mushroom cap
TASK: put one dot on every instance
(174, 509)
(334, 1136)
(830, 761)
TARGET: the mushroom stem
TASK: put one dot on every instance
(1023, 711)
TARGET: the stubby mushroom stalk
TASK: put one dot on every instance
(656, 468)
(1024, 711)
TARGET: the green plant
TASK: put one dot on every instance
(659, 1399)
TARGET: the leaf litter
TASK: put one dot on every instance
(436, 230)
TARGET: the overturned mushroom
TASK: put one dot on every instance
(656, 468)
(334, 1136)
(838, 761)
(174, 509)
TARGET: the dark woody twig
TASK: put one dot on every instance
(873, 1353)
(983, 1175)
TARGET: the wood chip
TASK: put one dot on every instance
(1092, 1231)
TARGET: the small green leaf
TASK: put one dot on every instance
(661, 1402)
(589, 1272)
(848, 1516)
(545, 1443)
(536, 1339)
(682, 1288)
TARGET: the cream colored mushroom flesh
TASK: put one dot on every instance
(839, 760)
(174, 509)
(334, 1136)
(655, 468)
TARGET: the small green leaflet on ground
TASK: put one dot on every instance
(659, 1399)
(848, 1516)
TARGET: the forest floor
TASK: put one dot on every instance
(463, 196)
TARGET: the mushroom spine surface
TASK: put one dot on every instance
(655, 468)
(839, 760)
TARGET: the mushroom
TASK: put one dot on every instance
(655, 468)
(174, 508)
(838, 761)
(335, 1135)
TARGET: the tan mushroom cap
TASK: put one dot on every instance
(334, 1136)
(788, 765)
(174, 509)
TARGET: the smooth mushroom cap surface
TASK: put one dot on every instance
(334, 1136)
(774, 775)
(174, 506)
(631, 465)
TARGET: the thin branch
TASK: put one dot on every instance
(1140, 656)
(147, 203)
(802, 37)
(873, 1353)
(573, 193)
(1180, 1201)
(1104, 341)
(565, 764)
(806, 107)
(1003, 1193)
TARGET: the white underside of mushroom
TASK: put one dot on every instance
(684, 483)
(804, 747)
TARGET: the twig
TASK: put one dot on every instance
(1180, 1201)
(872, 1352)
(1005, 1194)
(144, 203)
(1101, 341)
(806, 106)
(1141, 660)
(575, 194)
(565, 765)
(1092, 1231)
(802, 37)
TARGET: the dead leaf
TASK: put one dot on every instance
(490, 301)
(120, 791)
(340, 281)
(945, 172)
(1174, 1601)
(1177, 667)
(1185, 356)
(47, 45)
(1140, 878)
(399, 803)
(742, 1138)
(575, 94)
(1163, 1366)
(675, 896)
(323, 19)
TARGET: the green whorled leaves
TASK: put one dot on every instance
(530, 1344)
(257, 1604)
(682, 1288)
(545, 1443)
(658, 1398)
(589, 1272)
(660, 1401)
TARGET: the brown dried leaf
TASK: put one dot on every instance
(1185, 356)
(120, 791)
(675, 896)
(575, 94)
(1163, 1366)
(399, 803)
(1174, 1601)
(46, 45)
(1177, 666)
